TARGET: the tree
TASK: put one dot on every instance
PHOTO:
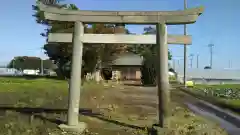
(48, 64)
(149, 53)
(94, 56)
(25, 62)
(147, 50)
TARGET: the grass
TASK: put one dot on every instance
(37, 106)
(226, 95)
(222, 87)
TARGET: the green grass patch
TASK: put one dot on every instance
(224, 86)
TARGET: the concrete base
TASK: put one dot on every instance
(80, 128)
(156, 130)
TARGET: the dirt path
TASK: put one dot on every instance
(132, 109)
(124, 110)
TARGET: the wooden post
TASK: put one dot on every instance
(75, 81)
(162, 73)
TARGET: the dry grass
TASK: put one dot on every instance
(35, 107)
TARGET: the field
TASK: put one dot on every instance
(37, 106)
(227, 95)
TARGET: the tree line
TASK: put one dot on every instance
(27, 62)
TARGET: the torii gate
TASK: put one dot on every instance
(159, 18)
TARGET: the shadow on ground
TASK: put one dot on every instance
(36, 113)
(139, 85)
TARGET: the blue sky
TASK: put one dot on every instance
(218, 25)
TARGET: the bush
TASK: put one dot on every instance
(148, 76)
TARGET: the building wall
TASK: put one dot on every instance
(138, 74)
(210, 73)
(129, 73)
(210, 76)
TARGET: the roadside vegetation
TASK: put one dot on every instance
(226, 95)
(37, 106)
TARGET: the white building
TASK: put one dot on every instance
(210, 76)
(9, 71)
(31, 72)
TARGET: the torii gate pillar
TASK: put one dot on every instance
(162, 73)
(73, 123)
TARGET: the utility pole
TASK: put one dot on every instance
(191, 60)
(229, 64)
(42, 67)
(14, 62)
(174, 65)
(211, 52)
(185, 50)
(197, 60)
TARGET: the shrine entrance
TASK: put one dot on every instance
(159, 18)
